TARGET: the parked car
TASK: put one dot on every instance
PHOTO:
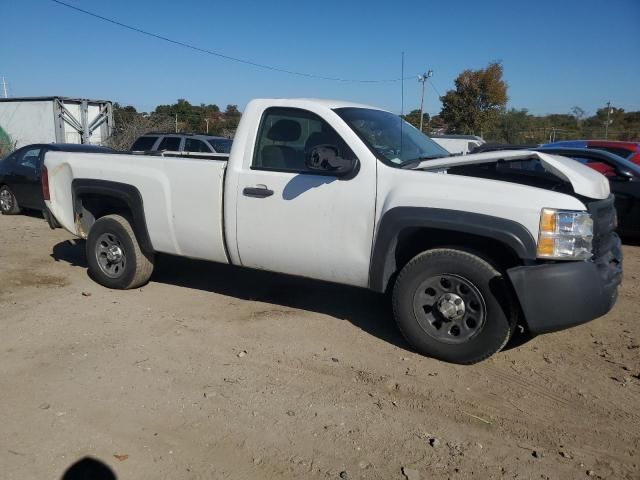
(627, 150)
(623, 176)
(624, 182)
(184, 143)
(20, 185)
(346, 193)
(495, 147)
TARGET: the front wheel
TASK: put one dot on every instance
(8, 203)
(454, 306)
(114, 255)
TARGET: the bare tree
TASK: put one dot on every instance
(578, 113)
(130, 127)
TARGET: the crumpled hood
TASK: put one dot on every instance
(584, 180)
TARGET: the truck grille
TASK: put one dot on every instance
(605, 239)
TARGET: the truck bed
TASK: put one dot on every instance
(182, 197)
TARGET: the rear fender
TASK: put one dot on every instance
(125, 193)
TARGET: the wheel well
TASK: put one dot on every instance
(412, 241)
(91, 206)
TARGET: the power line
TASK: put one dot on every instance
(434, 87)
(222, 55)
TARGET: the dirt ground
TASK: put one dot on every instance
(213, 372)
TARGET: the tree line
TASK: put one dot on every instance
(181, 116)
(477, 105)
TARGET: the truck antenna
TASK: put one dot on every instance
(401, 100)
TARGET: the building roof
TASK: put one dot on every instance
(45, 99)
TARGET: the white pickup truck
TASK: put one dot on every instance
(468, 247)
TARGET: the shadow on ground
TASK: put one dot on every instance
(366, 310)
(89, 468)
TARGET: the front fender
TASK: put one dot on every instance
(394, 221)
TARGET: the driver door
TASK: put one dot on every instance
(293, 220)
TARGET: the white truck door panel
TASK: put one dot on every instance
(312, 225)
(293, 220)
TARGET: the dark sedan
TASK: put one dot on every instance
(20, 175)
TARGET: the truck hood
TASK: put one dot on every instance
(584, 180)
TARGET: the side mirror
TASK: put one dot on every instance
(622, 176)
(327, 159)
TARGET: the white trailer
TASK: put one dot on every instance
(28, 120)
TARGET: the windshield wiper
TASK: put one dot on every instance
(414, 163)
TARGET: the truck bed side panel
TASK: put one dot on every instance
(182, 198)
(196, 207)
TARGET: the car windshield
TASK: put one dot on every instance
(391, 139)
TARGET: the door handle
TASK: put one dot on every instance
(259, 191)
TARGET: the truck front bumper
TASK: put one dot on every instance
(560, 295)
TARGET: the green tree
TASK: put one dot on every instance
(196, 118)
(511, 127)
(413, 117)
(477, 101)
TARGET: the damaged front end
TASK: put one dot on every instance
(534, 169)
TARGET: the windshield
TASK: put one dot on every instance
(391, 139)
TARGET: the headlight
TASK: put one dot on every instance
(565, 234)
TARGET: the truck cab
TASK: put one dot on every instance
(352, 194)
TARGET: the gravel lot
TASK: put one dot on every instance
(216, 372)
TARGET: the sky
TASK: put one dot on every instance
(556, 53)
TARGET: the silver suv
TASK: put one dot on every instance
(181, 142)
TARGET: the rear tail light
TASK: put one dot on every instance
(44, 178)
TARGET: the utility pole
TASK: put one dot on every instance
(4, 88)
(207, 122)
(606, 127)
(176, 123)
(423, 79)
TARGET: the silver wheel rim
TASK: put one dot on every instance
(449, 308)
(110, 255)
(5, 200)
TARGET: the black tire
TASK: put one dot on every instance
(425, 305)
(8, 203)
(114, 255)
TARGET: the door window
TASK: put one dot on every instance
(171, 144)
(221, 145)
(621, 152)
(287, 135)
(29, 159)
(196, 146)
(143, 144)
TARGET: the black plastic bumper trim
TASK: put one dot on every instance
(561, 295)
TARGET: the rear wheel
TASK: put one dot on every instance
(114, 255)
(8, 203)
(454, 306)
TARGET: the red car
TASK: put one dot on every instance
(628, 150)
